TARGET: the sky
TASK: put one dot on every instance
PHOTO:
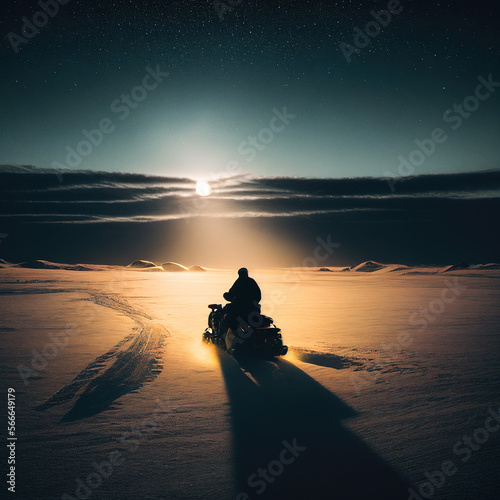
(342, 110)
(373, 125)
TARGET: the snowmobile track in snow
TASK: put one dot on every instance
(129, 364)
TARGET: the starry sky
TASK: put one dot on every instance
(231, 71)
(304, 125)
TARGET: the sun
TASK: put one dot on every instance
(203, 188)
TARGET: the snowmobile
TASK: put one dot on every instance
(256, 336)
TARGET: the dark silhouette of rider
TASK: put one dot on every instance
(244, 291)
(244, 297)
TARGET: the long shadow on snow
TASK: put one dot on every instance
(288, 405)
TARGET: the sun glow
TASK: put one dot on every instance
(203, 188)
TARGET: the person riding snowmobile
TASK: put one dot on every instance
(243, 297)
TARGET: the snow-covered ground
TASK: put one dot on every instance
(391, 377)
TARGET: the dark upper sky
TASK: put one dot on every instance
(226, 76)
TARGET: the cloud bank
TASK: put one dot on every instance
(425, 219)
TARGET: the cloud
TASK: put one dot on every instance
(89, 197)
(429, 218)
